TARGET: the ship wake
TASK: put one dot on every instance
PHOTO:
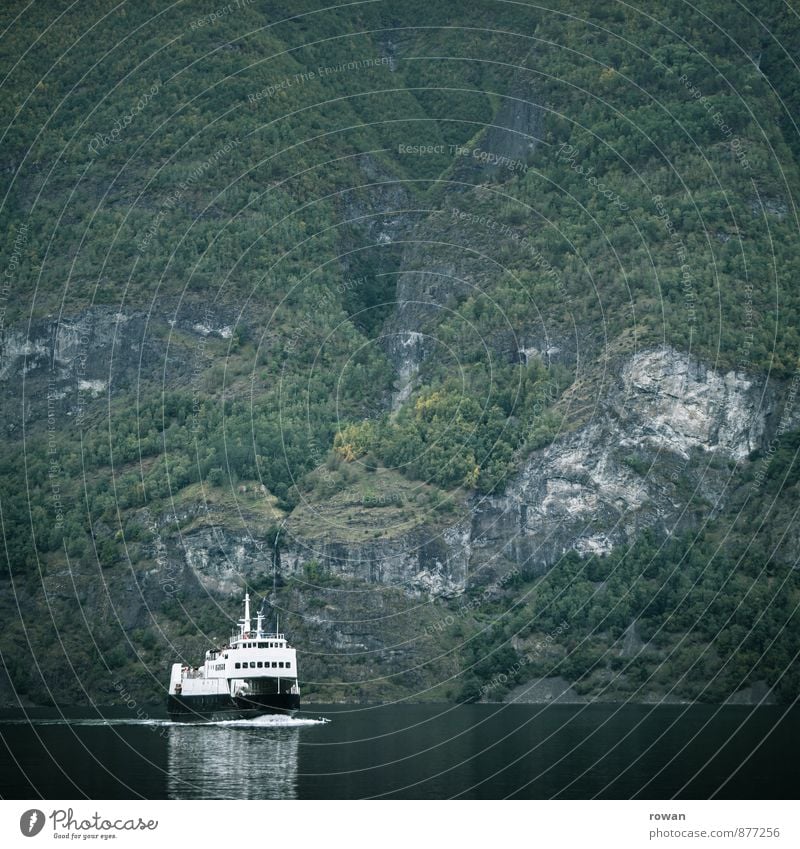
(268, 721)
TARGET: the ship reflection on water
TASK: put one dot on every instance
(232, 760)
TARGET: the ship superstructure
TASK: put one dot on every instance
(255, 673)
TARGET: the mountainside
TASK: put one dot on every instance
(466, 335)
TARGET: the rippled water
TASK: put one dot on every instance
(410, 751)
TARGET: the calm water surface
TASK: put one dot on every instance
(410, 751)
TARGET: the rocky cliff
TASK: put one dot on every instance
(661, 442)
(59, 365)
(664, 436)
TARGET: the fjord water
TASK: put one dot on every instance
(410, 751)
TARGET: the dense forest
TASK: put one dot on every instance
(250, 193)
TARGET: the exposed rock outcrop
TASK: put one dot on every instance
(69, 362)
(668, 431)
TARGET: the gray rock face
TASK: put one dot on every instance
(668, 429)
(221, 558)
(665, 430)
(421, 562)
(67, 363)
(688, 405)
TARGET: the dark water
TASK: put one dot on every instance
(412, 751)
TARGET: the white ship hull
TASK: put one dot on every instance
(256, 674)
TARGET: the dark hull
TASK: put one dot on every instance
(194, 708)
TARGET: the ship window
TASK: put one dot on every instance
(280, 664)
(263, 645)
(252, 664)
(288, 665)
(274, 664)
(238, 665)
(259, 664)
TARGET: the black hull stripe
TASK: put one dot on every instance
(192, 707)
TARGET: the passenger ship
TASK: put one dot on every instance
(255, 674)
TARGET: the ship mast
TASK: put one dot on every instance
(245, 623)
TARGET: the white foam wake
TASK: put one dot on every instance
(271, 720)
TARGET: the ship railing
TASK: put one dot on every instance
(254, 635)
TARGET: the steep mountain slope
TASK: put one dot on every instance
(475, 329)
